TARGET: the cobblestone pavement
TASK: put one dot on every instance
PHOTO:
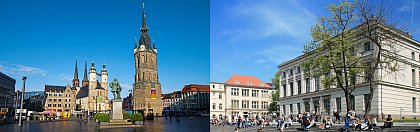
(398, 127)
(160, 124)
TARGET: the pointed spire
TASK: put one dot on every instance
(85, 78)
(76, 76)
(144, 37)
(144, 25)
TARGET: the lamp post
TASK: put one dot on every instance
(96, 101)
(401, 109)
(21, 101)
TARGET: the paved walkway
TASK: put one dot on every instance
(399, 127)
(160, 124)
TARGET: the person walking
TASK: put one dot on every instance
(305, 121)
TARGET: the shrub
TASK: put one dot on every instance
(137, 117)
(102, 117)
(95, 116)
(126, 115)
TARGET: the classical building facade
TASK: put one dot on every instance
(146, 87)
(245, 96)
(393, 95)
(195, 99)
(60, 99)
(172, 101)
(7, 94)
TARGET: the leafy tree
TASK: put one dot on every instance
(276, 95)
(335, 53)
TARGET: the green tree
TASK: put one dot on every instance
(335, 54)
(276, 95)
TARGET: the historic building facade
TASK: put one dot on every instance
(244, 96)
(393, 95)
(60, 99)
(7, 94)
(146, 87)
(195, 99)
(92, 96)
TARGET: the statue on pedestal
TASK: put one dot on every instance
(115, 89)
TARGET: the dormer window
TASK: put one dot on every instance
(236, 82)
(249, 83)
(261, 84)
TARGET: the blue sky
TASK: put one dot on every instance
(252, 37)
(41, 40)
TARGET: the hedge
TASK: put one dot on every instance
(137, 117)
(126, 115)
(102, 117)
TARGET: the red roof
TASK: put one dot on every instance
(196, 88)
(166, 96)
(246, 81)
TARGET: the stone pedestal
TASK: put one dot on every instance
(117, 109)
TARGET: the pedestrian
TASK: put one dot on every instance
(305, 121)
(374, 122)
(388, 123)
(337, 117)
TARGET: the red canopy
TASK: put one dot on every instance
(47, 112)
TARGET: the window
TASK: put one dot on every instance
(317, 84)
(327, 105)
(264, 105)
(299, 85)
(298, 107)
(220, 106)
(249, 83)
(298, 69)
(264, 93)
(236, 82)
(284, 90)
(49, 105)
(338, 102)
(307, 106)
(291, 71)
(308, 85)
(366, 99)
(220, 86)
(291, 89)
(367, 47)
(245, 104)
(413, 77)
(284, 109)
(214, 95)
(284, 75)
(254, 104)
(213, 86)
(235, 91)
(245, 92)
(254, 93)
(414, 105)
(413, 56)
(291, 108)
(214, 106)
(220, 95)
(235, 103)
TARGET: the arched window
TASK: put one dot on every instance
(150, 75)
(143, 76)
(220, 106)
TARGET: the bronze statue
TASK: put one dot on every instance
(115, 89)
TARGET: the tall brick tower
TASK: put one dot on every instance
(146, 87)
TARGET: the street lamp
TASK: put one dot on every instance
(401, 109)
(21, 101)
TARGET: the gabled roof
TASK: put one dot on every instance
(166, 96)
(247, 81)
(196, 88)
(83, 92)
(51, 88)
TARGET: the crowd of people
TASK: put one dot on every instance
(307, 121)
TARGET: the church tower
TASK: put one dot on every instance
(147, 89)
(104, 80)
(92, 80)
(85, 80)
(75, 77)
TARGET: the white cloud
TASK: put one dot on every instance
(273, 56)
(20, 70)
(66, 77)
(126, 86)
(273, 18)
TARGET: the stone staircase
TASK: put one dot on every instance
(118, 124)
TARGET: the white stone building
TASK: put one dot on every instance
(245, 96)
(395, 95)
